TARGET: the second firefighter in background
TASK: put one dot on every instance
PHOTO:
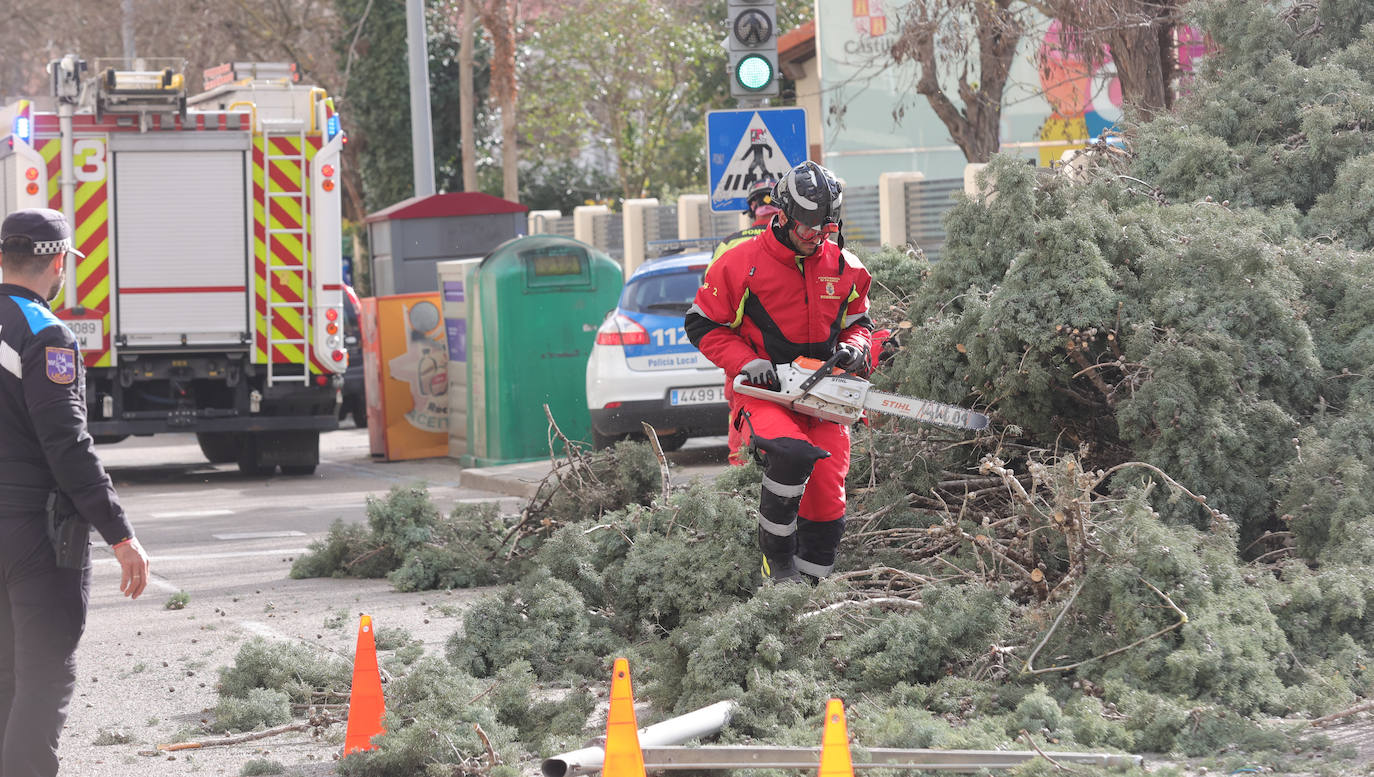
(782, 294)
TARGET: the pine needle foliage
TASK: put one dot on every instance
(289, 667)
(432, 727)
(634, 573)
(259, 708)
(409, 541)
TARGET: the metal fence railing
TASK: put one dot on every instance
(661, 223)
(862, 225)
(926, 204)
(608, 234)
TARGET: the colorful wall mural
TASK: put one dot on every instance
(873, 123)
(1083, 100)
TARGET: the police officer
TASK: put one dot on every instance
(760, 209)
(45, 451)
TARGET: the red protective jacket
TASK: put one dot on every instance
(760, 299)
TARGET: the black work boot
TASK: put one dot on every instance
(817, 543)
(779, 553)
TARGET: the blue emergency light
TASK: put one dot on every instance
(331, 127)
(23, 128)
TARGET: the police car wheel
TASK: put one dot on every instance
(603, 441)
(674, 441)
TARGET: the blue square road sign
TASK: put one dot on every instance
(749, 145)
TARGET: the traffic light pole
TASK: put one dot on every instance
(421, 127)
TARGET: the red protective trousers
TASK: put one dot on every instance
(824, 497)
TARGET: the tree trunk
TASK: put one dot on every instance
(465, 96)
(510, 182)
(976, 128)
(1139, 37)
(1143, 67)
(497, 18)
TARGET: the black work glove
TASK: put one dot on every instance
(852, 357)
(761, 372)
(890, 348)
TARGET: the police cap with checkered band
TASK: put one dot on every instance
(43, 231)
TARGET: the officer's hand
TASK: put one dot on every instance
(761, 372)
(852, 357)
(133, 565)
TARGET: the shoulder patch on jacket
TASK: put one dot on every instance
(61, 363)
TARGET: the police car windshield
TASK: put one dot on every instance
(662, 293)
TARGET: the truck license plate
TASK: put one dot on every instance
(701, 395)
(89, 334)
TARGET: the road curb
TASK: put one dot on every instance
(521, 485)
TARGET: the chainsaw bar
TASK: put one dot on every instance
(925, 410)
(812, 388)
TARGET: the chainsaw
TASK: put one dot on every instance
(816, 388)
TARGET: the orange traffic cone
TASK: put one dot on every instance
(365, 703)
(623, 756)
(835, 760)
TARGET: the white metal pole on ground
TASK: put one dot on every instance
(421, 128)
(674, 731)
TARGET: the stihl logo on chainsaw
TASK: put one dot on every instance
(810, 387)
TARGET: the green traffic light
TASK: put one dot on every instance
(754, 72)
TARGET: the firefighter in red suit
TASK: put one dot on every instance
(789, 292)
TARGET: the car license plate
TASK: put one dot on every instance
(702, 395)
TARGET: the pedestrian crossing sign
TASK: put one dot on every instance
(749, 145)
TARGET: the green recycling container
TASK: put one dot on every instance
(536, 303)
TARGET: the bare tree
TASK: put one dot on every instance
(936, 36)
(465, 95)
(499, 19)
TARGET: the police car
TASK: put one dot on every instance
(643, 368)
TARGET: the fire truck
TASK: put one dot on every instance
(210, 297)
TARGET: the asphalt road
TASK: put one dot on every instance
(147, 674)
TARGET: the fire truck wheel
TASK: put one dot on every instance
(249, 459)
(218, 447)
(298, 469)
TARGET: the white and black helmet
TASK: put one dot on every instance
(810, 195)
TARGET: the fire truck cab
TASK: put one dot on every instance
(210, 299)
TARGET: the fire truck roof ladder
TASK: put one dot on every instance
(288, 275)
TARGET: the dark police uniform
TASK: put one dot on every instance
(44, 445)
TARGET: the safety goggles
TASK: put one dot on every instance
(809, 233)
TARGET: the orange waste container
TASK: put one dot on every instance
(405, 366)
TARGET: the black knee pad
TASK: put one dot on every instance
(787, 459)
